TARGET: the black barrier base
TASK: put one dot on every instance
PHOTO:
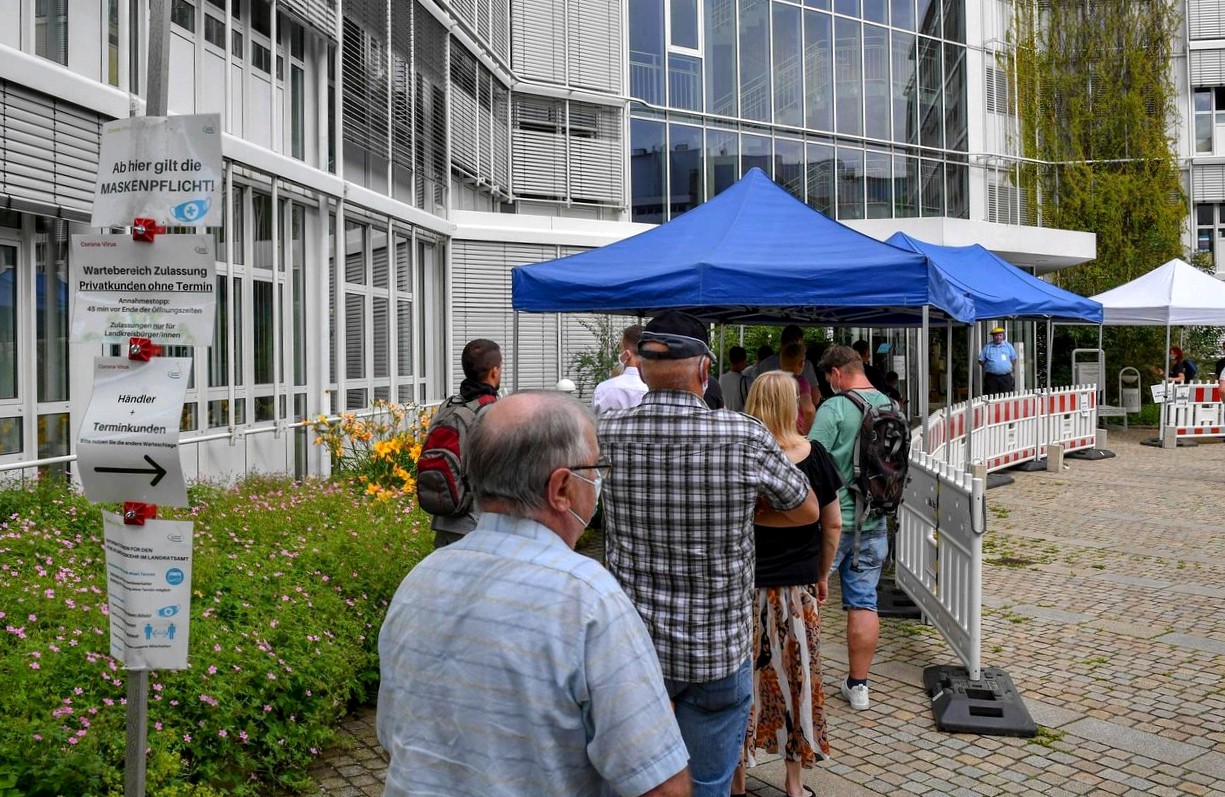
(1031, 466)
(990, 706)
(892, 600)
(1090, 454)
(998, 480)
(1156, 443)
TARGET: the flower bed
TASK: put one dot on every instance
(290, 583)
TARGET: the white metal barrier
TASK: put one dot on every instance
(1195, 411)
(1070, 414)
(1006, 430)
(938, 552)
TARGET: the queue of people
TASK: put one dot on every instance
(513, 665)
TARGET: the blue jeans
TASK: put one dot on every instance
(713, 717)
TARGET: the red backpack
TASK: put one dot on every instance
(442, 488)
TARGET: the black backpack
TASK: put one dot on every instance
(882, 458)
(442, 487)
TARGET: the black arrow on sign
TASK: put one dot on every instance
(157, 470)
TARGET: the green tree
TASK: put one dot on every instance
(1096, 77)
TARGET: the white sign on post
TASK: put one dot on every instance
(164, 291)
(148, 584)
(166, 168)
(129, 444)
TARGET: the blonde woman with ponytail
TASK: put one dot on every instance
(792, 580)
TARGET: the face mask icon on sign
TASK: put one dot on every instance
(191, 211)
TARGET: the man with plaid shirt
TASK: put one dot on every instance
(686, 486)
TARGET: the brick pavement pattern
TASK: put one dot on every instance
(1103, 594)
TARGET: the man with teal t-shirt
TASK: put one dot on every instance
(837, 428)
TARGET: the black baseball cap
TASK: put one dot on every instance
(683, 335)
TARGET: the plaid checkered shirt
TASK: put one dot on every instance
(679, 508)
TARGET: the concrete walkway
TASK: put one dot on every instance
(1104, 600)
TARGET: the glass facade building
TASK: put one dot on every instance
(857, 107)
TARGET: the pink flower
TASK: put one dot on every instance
(187, 738)
(35, 665)
(223, 733)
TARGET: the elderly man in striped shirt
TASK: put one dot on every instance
(512, 665)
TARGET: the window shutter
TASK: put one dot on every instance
(1208, 67)
(381, 337)
(1209, 183)
(430, 109)
(355, 336)
(402, 85)
(595, 151)
(499, 33)
(1206, 19)
(464, 117)
(539, 148)
(539, 39)
(365, 75)
(319, 15)
(49, 161)
(501, 138)
(465, 10)
(594, 47)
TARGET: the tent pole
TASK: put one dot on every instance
(515, 356)
(924, 365)
(948, 367)
(722, 343)
(1050, 349)
(1169, 388)
(972, 348)
(1101, 367)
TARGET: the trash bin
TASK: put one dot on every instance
(1129, 390)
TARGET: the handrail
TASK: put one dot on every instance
(232, 433)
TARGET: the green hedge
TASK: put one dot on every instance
(290, 584)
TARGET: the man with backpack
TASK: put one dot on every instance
(867, 436)
(442, 488)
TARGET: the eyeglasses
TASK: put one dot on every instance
(602, 468)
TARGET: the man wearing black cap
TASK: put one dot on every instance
(997, 359)
(685, 488)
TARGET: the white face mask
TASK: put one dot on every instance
(597, 484)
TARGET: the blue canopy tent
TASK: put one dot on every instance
(753, 254)
(999, 289)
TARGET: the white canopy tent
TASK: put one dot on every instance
(1174, 294)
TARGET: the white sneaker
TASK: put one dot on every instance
(856, 695)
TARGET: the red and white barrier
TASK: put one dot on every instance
(1196, 411)
(1009, 432)
(1070, 415)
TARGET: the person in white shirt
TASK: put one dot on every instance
(734, 383)
(626, 389)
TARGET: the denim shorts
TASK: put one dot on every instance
(859, 586)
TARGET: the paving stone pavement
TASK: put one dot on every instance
(1103, 586)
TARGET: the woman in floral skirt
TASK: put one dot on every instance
(792, 579)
